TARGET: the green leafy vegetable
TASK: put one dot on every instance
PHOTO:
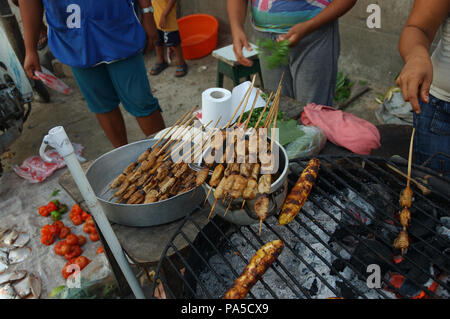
(343, 88)
(257, 113)
(274, 53)
(55, 192)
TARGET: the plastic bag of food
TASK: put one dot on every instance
(35, 169)
(96, 281)
(309, 144)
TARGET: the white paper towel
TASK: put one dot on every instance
(238, 95)
(216, 102)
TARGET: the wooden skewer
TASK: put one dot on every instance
(175, 136)
(210, 133)
(180, 145)
(246, 100)
(228, 207)
(243, 204)
(410, 157)
(239, 106)
(251, 110)
(207, 196)
(212, 208)
(181, 119)
(425, 190)
(264, 110)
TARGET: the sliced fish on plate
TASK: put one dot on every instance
(22, 240)
(11, 276)
(7, 292)
(18, 255)
(23, 287)
(10, 237)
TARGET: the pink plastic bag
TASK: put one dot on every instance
(52, 81)
(343, 129)
(35, 169)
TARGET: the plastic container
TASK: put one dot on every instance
(198, 34)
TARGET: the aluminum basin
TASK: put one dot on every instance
(108, 166)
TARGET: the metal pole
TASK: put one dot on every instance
(58, 139)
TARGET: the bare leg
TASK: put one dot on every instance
(179, 55)
(114, 126)
(160, 53)
(152, 123)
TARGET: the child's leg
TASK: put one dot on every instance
(160, 53)
(179, 55)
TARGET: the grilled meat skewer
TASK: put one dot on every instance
(256, 268)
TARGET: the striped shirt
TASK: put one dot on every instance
(280, 15)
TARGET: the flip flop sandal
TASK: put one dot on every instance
(181, 68)
(158, 68)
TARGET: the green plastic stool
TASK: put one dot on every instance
(228, 66)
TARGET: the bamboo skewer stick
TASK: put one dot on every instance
(408, 182)
(251, 110)
(204, 140)
(264, 110)
(175, 136)
(424, 189)
(180, 145)
(246, 100)
(181, 119)
(212, 208)
(239, 106)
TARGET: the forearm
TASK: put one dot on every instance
(169, 7)
(333, 11)
(414, 43)
(31, 12)
(237, 13)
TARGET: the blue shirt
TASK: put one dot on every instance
(280, 15)
(83, 33)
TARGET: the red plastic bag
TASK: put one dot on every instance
(35, 169)
(52, 81)
(342, 128)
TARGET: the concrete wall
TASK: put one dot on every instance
(366, 53)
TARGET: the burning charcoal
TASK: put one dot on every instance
(371, 252)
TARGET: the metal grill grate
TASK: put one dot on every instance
(348, 223)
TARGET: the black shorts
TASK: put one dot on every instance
(168, 38)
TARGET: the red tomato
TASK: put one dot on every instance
(47, 239)
(88, 228)
(90, 221)
(76, 209)
(54, 229)
(81, 240)
(64, 232)
(43, 211)
(45, 230)
(81, 261)
(58, 247)
(77, 220)
(59, 224)
(75, 251)
(85, 215)
(100, 250)
(94, 236)
(65, 248)
(51, 207)
(72, 239)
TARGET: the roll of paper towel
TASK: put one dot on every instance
(216, 102)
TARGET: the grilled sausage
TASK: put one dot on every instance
(405, 217)
(262, 207)
(130, 168)
(238, 187)
(258, 265)
(299, 194)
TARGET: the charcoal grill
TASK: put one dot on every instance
(348, 223)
